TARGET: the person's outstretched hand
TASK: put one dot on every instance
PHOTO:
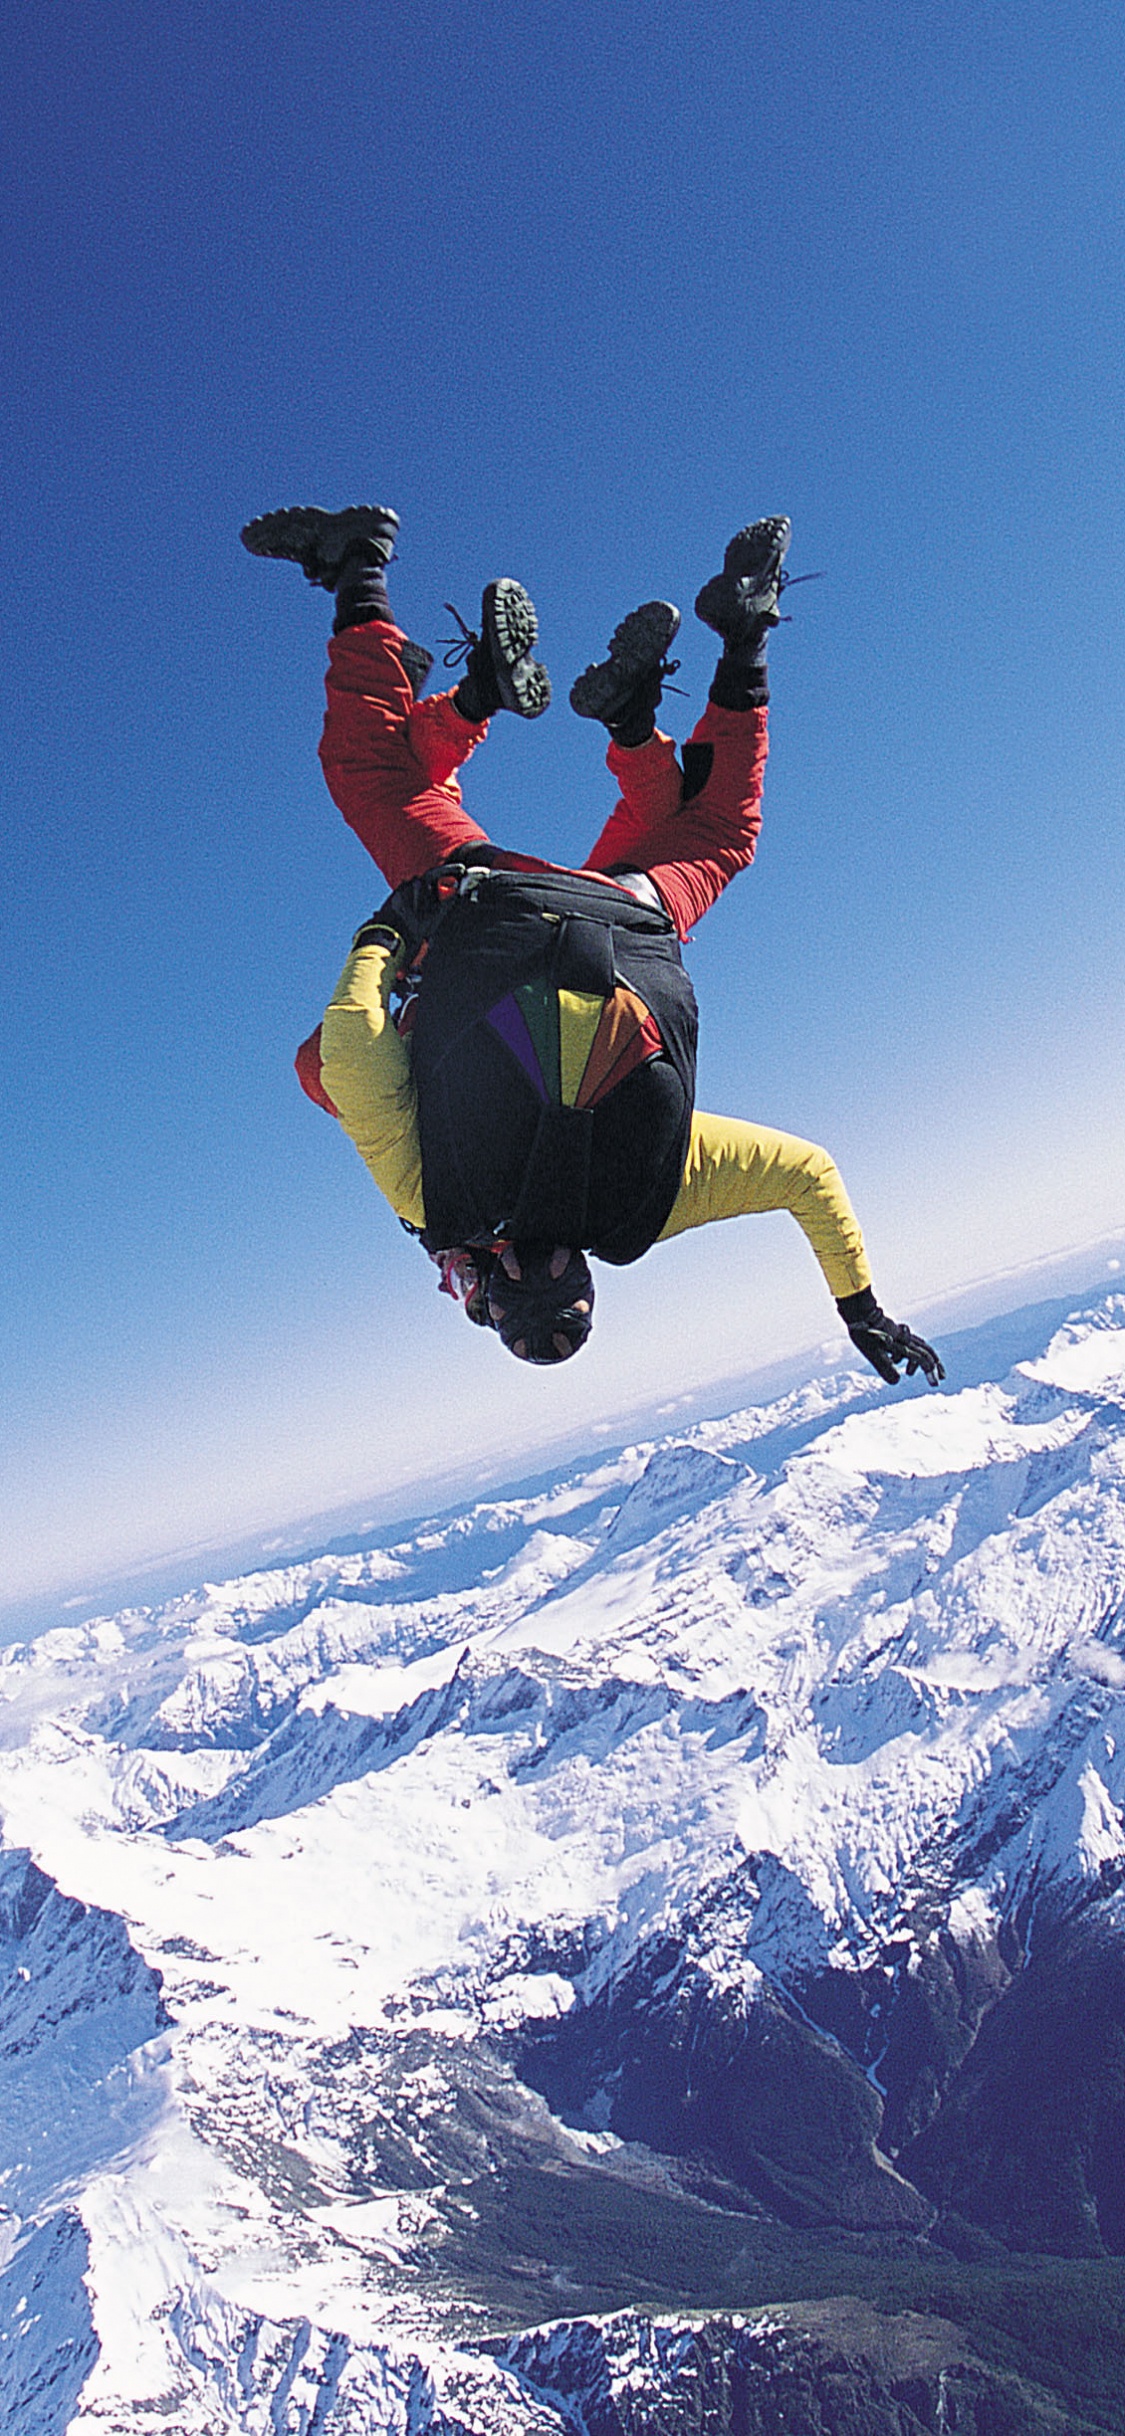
(886, 1343)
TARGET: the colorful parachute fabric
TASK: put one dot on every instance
(575, 1048)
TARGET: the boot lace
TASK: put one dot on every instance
(457, 649)
(785, 581)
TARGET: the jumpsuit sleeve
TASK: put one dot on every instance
(733, 1169)
(366, 1069)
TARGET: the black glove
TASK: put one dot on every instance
(378, 934)
(885, 1343)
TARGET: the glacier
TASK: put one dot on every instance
(429, 1971)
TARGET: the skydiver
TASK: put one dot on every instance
(511, 1045)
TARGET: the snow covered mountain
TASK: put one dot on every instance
(690, 1884)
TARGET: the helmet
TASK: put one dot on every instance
(541, 1301)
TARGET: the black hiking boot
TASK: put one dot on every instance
(741, 603)
(500, 673)
(624, 690)
(319, 541)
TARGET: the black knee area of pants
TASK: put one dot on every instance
(698, 761)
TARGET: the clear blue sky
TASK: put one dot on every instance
(578, 291)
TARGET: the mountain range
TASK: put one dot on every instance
(643, 1952)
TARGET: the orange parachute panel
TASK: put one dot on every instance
(627, 1035)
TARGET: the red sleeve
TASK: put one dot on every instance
(307, 1062)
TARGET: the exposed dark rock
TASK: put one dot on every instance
(830, 2368)
(67, 1968)
(911, 2019)
(47, 2340)
(760, 2098)
(1030, 2142)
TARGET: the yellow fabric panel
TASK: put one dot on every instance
(579, 1017)
(368, 1077)
(733, 1170)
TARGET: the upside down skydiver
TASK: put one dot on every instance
(511, 1045)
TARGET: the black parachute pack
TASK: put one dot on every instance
(553, 1036)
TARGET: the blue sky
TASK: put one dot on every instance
(578, 291)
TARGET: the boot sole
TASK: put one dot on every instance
(638, 645)
(319, 539)
(512, 629)
(754, 557)
(758, 546)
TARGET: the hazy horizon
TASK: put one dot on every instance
(1082, 1273)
